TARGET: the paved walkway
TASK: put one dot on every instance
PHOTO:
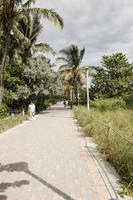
(46, 159)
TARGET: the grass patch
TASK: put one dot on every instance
(116, 150)
(12, 122)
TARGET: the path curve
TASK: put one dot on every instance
(46, 159)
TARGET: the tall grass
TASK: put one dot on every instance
(116, 149)
(11, 122)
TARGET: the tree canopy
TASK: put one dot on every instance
(113, 78)
(19, 28)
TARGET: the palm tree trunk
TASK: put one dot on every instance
(78, 94)
(72, 94)
(2, 68)
(1, 86)
(26, 54)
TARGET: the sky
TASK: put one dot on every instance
(103, 27)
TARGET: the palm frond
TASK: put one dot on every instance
(19, 15)
(50, 15)
(67, 86)
(64, 51)
(42, 47)
(73, 55)
(29, 25)
(28, 3)
(82, 52)
(18, 2)
(24, 40)
(66, 75)
(34, 36)
(63, 68)
(62, 59)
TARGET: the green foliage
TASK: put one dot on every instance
(35, 81)
(14, 76)
(53, 101)
(114, 78)
(49, 102)
(83, 94)
(108, 104)
(129, 101)
(115, 148)
(42, 79)
(15, 84)
(3, 110)
(19, 29)
(74, 102)
(31, 29)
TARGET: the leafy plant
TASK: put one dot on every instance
(3, 110)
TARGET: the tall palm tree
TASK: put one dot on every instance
(12, 11)
(70, 70)
(31, 29)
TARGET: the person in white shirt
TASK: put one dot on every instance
(32, 109)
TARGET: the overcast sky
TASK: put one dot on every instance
(103, 27)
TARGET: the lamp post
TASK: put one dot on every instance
(88, 98)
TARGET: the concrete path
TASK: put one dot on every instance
(46, 159)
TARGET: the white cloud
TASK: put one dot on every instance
(102, 27)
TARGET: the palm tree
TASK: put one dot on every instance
(31, 29)
(70, 70)
(11, 12)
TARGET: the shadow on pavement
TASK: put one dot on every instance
(4, 186)
(3, 197)
(23, 166)
(43, 112)
(60, 116)
(59, 107)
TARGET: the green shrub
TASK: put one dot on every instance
(129, 101)
(3, 110)
(108, 104)
(74, 102)
(49, 102)
(46, 104)
(53, 101)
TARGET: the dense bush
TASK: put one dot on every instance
(49, 102)
(108, 104)
(3, 110)
(113, 78)
(53, 101)
(129, 101)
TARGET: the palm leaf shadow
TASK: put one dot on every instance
(23, 166)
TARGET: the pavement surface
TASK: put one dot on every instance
(46, 159)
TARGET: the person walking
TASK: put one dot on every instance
(64, 102)
(32, 109)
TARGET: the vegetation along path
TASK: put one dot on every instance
(46, 159)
